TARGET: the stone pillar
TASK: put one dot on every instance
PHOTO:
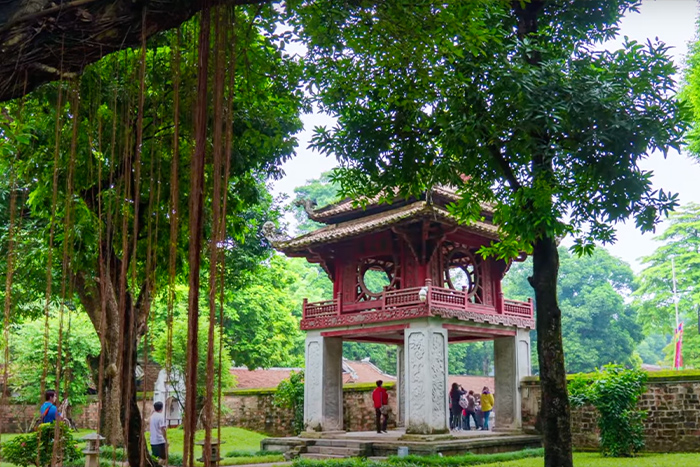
(425, 349)
(323, 388)
(512, 363)
(400, 386)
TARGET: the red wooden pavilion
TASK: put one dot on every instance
(408, 273)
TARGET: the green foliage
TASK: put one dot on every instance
(614, 391)
(321, 191)
(260, 317)
(475, 358)
(598, 327)
(290, 396)
(654, 295)
(25, 449)
(403, 121)
(113, 453)
(239, 453)
(179, 348)
(418, 461)
(79, 344)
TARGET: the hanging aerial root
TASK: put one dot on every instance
(196, 234)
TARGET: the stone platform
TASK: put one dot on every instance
(372, 444)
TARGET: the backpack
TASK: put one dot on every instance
(463, 401)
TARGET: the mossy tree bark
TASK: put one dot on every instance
(46, 40)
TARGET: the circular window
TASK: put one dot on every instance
(375, 279)
(374, 275)
(461, 271)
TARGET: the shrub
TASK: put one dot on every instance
(614, 391)
(175, 460)
(424, 461)
(111, 453)
(290, 396)
(237, 453)
(22, 449)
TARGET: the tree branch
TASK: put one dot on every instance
(42, 42)
(505, 167)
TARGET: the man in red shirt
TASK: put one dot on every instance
(381, 406)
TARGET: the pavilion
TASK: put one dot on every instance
(408, 273)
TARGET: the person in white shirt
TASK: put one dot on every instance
(159, 433)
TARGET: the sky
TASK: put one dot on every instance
(672, 22)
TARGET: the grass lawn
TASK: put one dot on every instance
(235, 439)
(596, 460)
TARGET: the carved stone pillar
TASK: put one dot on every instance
(323, 388)
(400, 386)
(512, 363)
(425, 349)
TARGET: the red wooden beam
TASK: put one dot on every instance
(476, 331)
(366, 331)
(376, 340)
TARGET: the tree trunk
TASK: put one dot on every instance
(42, 41)
(119, 404)
(555, 413)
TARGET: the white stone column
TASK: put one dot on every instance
(425, 349)
(511, 363)
(323, 388)
(400, 386)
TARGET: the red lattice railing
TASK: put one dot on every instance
(402, 298)
(319, 309)
(516, 308)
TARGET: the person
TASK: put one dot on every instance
(470, 410)
(159, 432)
(486, 406)
(381, 406)
(48, 412)
(455, 395)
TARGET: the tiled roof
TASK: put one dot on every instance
(348, 204)
(256, 379)
(337, 232)
(473, 383)
(363, 372)
(353, 372)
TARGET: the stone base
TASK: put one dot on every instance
(320, 434)
(426, 438)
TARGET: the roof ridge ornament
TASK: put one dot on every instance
(273, 234)
(309, 206)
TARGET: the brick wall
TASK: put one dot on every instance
(255, 411)
(251, 409)
(672, 405)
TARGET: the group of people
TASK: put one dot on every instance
(466, 406)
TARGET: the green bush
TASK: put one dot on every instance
(238, 453)
(175, 460)
(290, 396)
(614, 391)
(111, 453)
(418, 461)
(22, 449)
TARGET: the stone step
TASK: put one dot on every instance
(340, 442)
(319, 456)
(336, 451)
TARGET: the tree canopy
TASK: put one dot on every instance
(654, 295)
(521, 109)
(599, 326)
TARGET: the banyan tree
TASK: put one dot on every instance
(126, 172)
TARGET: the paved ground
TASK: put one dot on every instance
(397, 433)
